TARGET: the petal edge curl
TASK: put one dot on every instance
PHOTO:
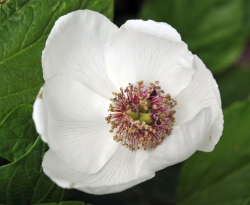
(159, 29)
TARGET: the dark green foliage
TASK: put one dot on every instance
(222, 176)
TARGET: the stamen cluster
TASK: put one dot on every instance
(141, 117)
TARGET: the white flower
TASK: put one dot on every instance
(85, 59)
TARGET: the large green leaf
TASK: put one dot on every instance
(18, 133)
(23, 182)
(215, 30)
(234, 85)
(24, 27)
(222, 176)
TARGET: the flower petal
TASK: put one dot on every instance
(181, 144)
(117, 175)
(135, 55)
(201, 93)
(75, 127)
(217, 127)
(75, 47)
(215, 133)
(40, 116)
(159, 29)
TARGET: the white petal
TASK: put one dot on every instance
(133, 56)
(181, 144)
(159, 29)
(76, 128)
(215, 134)
(75, 47)
(118, 174)
(217, 93)
(199, 94)
(217, 127)
(40, 116)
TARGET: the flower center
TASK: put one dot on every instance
(141, 116)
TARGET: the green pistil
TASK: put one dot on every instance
(133, 115)
(142, 113)
(145, 106)
(146, 117)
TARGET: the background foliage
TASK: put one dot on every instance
(217, 31)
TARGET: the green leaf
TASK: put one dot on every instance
(222, 176)
(23, 182)
(234, 85)
(247, 202)
(24, 28)
(17, 133)
(215, 30)
(46, 191)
